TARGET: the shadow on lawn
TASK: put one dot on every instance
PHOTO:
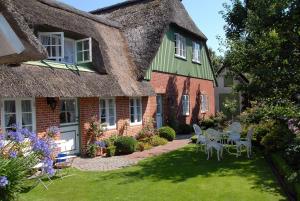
(184, 164)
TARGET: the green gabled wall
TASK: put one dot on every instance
(165, 60)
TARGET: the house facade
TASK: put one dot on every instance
(66, 66)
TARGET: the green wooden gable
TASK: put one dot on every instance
(166, 61)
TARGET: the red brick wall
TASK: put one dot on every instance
(45, 116)
(172, 87)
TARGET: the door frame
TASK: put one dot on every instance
(161, 109)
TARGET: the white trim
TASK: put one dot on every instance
(83, 50)
(19, 111)
(206, 102)
(62, 38)
(107, 112)
(196, 60)
(187, 113)
(135, 123)
(180, 45)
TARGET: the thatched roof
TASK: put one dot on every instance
(144, 23)
(111, 59)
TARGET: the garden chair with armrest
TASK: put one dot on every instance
(201, 140)
(213, 139)
(247, 143)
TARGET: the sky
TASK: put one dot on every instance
(205, 14)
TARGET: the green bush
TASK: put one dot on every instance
(167, 133)
(278, 137)
(194, 139)
(184, 129)
(292, 155)
(157, 141)
(262, 129)
(147, 131)
(141, 146)
(110, 151)
(92, 150)
(207, 123)
(125, 145)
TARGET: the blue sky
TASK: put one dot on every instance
(204, 12)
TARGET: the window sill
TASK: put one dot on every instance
(204, 112)
(109, 128)
(180, 57)
(136, 124)
(186, 115)
(196, 62)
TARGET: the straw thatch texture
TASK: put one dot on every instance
(110, 59)
(144, 23)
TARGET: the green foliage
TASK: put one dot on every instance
(260, 47)
(125, 145)
(167, 133)
(230, 106)
(216, 60)
(110, 151)
(262, 129)
(92, 150)
(143, 146)
(157, 141)
(147, 131)
(194, 139)
(278, 137)
(184, 129)
(111, 140)
(207, 123)
(292, 155)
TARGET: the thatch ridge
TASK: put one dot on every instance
(144, 23)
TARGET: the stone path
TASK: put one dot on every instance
(117, 162)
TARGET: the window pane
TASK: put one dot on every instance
(26, 106)
(112, 121)
(62, 118)
(86, 55)
(86, 45)
(28, 127)
(132, 111)
(79, 46)
(10, 119)
(132, 118)
(70, 105)
(79, 56)
(26, 119)
(10, 106)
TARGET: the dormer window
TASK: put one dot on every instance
(196, 52)
(180, 46)
(66, 50)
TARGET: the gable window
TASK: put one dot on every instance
(196, 52)
(54, 44)
(84, 50)
(180, 46)
(204, 103)
(66, 50)
(185, 105)
(135, 106)
(18, 112)
(108, 112)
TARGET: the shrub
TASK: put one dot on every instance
(144, 146)
(147, 131)
(292, 155)
(167, 132)
(92, 150)
(184, 129)
(125, 145)
(262, 129)
(157, 141)
(194, 139)
(207, 123)
(110, 151)
(278, 137)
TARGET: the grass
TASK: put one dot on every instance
(176, 176)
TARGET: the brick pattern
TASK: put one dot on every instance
(172, 87)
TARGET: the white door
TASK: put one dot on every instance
(159, 111)
(69, 125)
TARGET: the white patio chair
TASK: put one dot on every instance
(201, 140)
(235, 130)
(213, 141)
(245, 143)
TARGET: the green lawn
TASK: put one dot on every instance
(179, 175)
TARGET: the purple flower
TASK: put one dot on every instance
(100, 144)
(13, 154)
(16, 136)
(3, 181)
(48, 166)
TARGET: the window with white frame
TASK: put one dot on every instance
(180, 46)
(54, 44)
(18, 112)
(135, 106)
(108, 112)
(196, 52)
(66, 50)
(68, 111)
(204, 103)
(185, 105)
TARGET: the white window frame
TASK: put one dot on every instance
(206, 109)
(196, 52)
(136, 122)
(58, 59)
(180, 46)
(107, 112)
(74, 49)
(83, 50)
(186, 103)
(18, 102)
(76, 112)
